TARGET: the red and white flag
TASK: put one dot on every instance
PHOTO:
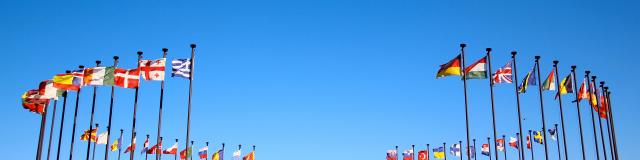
(131, 147)
(127, 78)
(153, 69)
(171, 150)
(503, 75)
(155, 149)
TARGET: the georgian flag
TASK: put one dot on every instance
(181, 68)
(153, 69)
(127, 78)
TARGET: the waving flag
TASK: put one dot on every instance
(78, 77)
(237, 154)
(155, 149)
(503, 75)
(218, 155)
(116, 144)
(529, 80)
(438, 152)
(90, 135)
(185, 153)
(553, 133)
(423, 155)
(537, 137)
(47, 91)
(528, 142)
(407, 155)
(33, 101)
(102, 138)
(203, 152)
(455, 150)
(485, 149)
(582, 92)
(249, 156)
(145, 146)
(451, 68)
(171, 150)
(181, 68)
(66, 82)
(513, 142)
(477, 70)
(566, 86)
(392, 155)
(127, 78)
(500, 144)
(131, 147)
(549, 83)
(99, 76)
(153, 69)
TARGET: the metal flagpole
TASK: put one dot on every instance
(135, 107)
(515, 82)
(146, 154)
(493, 108)
(175, 156)
(53, 120)
(93, 155)
(474, 150)
(106, 147)
(489, 143)
(428, 151)
(223, 150)
(613, 128)
(43, 123)
(577, 100)
(396, 152)
(412, 150)
(521, 147)
(460, 143)
(75, 118)
(593, 121)
(595, 92)
(119, 143)
(64, 107)
(544, 127)
(190, 150)
(158, 150)
(564, 136)
(504, 140)
(604, 93)
(558, 142)
(444, 146)
(193, 52)
(93, 109)
(530, 144)
(164, 55)
(466, 106)
(207, 144)
(240, 146)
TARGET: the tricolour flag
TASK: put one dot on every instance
(99, 76)
(127, 78)
(407, 155)
(485, 150)
(250, 156)
(181, 68)
(217, 156)
(549, 83)
(47, 91)
(153, 69)
(438, 152)
(392, 155)
(451, 68)
(102, 138)
(477, 70)
(500, 144)
(90, 135)
(513, 142)
(34, 102)
(529, 80)
(503, 75)
(203, 152)
(66, 82)
(455, 150)
(553, 133)
(171, 150)
(237, 154)
(537, 136)
(185, 153)
(566, 86)
(116, 144)
(131, 147)
(423, 155)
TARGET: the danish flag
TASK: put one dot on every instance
(127, 78)
(153, 69)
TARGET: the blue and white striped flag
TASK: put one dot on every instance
(181, 68)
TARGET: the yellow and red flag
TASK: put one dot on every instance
(90, 135)
(451, 68)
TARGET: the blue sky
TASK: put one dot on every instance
(311, 79)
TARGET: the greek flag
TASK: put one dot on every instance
(181, 68)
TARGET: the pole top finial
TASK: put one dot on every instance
(462, 45)
(537, 57)
(139, 53)
(593, 77)
(413, 145)
(555, 62)
(573, 67)
(116, 57)
(396, 147)
(121, 130)
(555, 124)
(97, 124)
(67, 71)
(160, 138)
(64, 94)
(606, 88)
(517, 133)
(513, 54)
(147, 135)
(474, 139)
(176, 140)
(81, 66)
(98, 62)
(601, 82)
(193, 45)
(529, 130)
(165, 49)
(587, 72)
(488, 49)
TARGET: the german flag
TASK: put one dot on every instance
(451, 68)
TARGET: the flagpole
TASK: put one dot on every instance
(493, 108)
(564, 137)
(190, 150)
(504, 140)
(135, 107)
(106, 148)
(164, 55)
(93, 109)
(613, 128)
(593, 121)
(64, 107)
(159, 149)
(604, 93)
(239, 147)
(146, 155)
(413, 150)
(530, 144)
(93, 155)
(175, 156)
(544, 127)
(428, 150)
(396, 152)
(515, 80)
(577, 100)
(43, 124)
(521, 147)
(604, 148)
(75, 118)
(489, 143)
(193, 51)
(466, 106)
(53, 120)
(119, 143)
(460, 150)
(207, 155)
(558, 142)
(222, 156)
(444, 146)
(474, 150)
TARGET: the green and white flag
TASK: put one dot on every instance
(477, 70)
(99, 76)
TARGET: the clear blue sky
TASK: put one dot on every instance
(311, 79)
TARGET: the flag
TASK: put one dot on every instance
(392, 155)
(181, 68)
(90, 135)
(582, 92)
(217, 155)
(407, 155)
(549, 83)
(171, 150)
(566, 86)
(116, 144)
(537, 136)
(438, 152)
(604, 106)
(455, 150)
(131, 147)
(423, 155)
(528, 142)
(485, 150)
(472, 151)
(47, 91)
(203, 152)
(249, 156)
(185, 153)
(127, 78)
(155, 149)
(500, 145)
(513, 142)
(102, 138)
(477, 70)
(503, 75)
(237, 154)
(66, 82)
(99, 76)
(451, 68)
(153, 69)
(529, 80)
(594, 102)
(78, 77)
(553, 133)
(145, 146)
(34, 102)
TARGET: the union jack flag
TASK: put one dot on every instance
(503, 75)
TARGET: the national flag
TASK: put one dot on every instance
(66, 82)
(407, 155)
(477, 70)
(604, 106)
(131, 147)
(471, 151)
(513, 142)
(99, 76)
(594, 101)
(153, 69)
(203, 152)
(566, 86)
(423, 155)
(451, 68)
(250, 156)
(78, 77)
(537, 136)
(392, 155)
(181, 68)
(217, 155)
(582, 92)
(529, 80)
(528, 142)
(102, 138)
(185, 153)
(145, 146)
(237, 154)
(500, 144)
(553, 133)
(438, 152)
(34, 102)
(47, 91)
(455, 150)
(549, 83)
(485, 149)
(171, 150)
(90, 134)
(155, 149)
(503, 75)
(127, 78)
(116, 144)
